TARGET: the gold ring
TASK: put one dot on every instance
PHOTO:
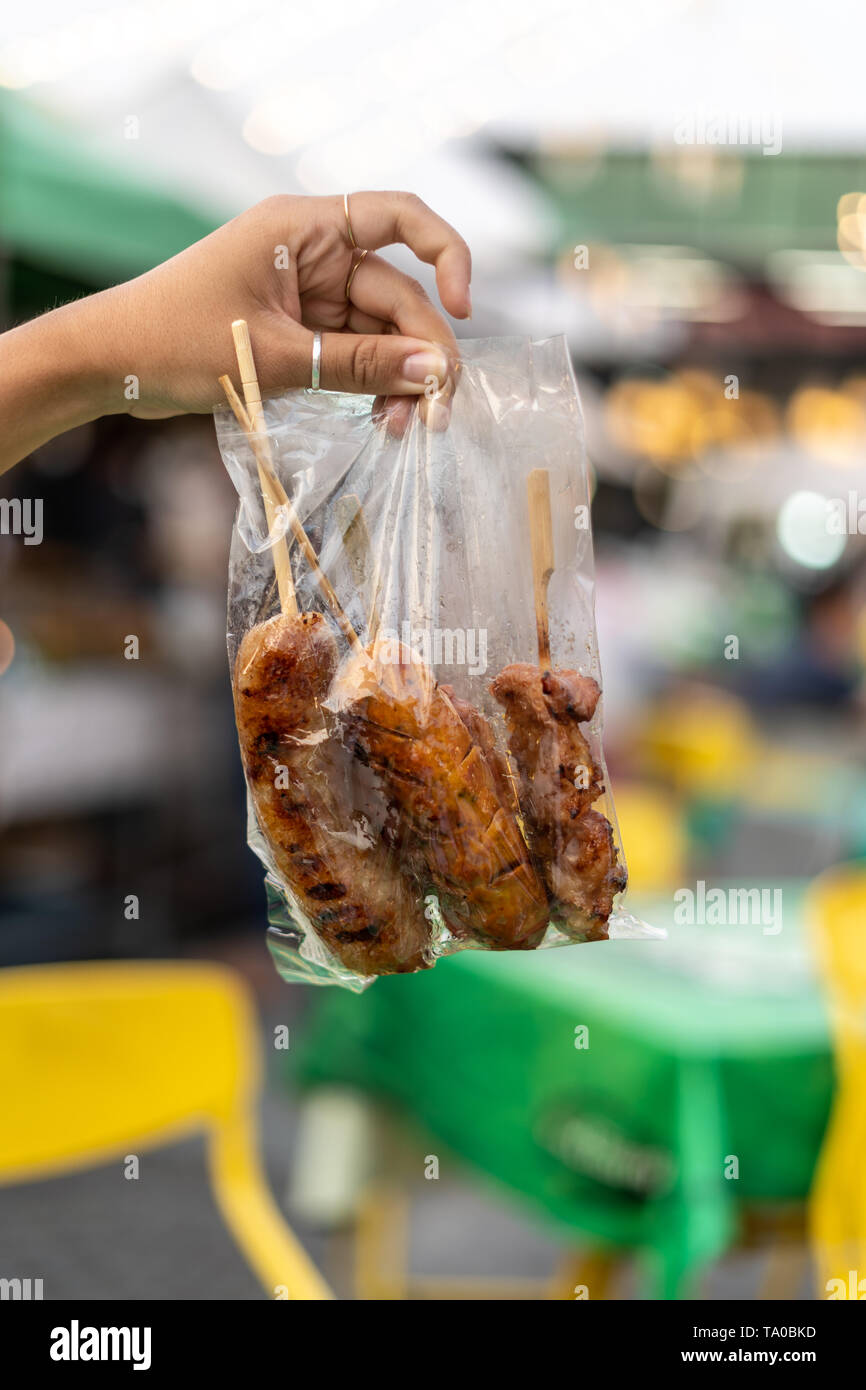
(353, 272)
(352, 240)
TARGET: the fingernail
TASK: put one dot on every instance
(420, 367)
(469, 304)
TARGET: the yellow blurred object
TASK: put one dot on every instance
(677, 419)
(702, 739)
(829, 423)
(100, 1061)
(653, 418)
(860, 635)
(748, 423)
(837, 1217)
(653, 836)
(855, 385)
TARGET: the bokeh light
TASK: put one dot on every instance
(803, 533)
(829, 423)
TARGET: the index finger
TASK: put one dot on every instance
(381, 219)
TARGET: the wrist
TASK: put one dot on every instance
(54, 375)
(76, 352)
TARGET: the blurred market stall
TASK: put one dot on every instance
(680, 189)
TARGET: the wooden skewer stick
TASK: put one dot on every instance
(268, 480)
(279, 494)
(541, 541)
(249, 379)
(356, 539)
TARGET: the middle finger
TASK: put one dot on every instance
(383, 292)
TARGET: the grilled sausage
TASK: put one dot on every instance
(304, 790)
(446, 810)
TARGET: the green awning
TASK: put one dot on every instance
(70, 213)
(748, 207)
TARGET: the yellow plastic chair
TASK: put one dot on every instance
(837, 1215)
(101, 1061)
(653, 836)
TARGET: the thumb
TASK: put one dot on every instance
(384, 365)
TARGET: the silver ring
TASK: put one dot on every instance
(317, 361)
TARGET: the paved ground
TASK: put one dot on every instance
(98, 1235)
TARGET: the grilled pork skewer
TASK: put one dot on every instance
(557, 777)
(558, 780)
(447, 815)
(301, 783)
(480, 732)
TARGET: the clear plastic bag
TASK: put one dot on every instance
(426, 787)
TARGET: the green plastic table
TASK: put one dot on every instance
(635, 1093)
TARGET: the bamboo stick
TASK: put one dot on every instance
(268, 481)
(282, 500)
(541, 541)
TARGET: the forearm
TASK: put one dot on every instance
(157, 346)
(53, 376)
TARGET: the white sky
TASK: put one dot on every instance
(337, 75)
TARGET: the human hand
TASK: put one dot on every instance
(283, 266)
(157, 345)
